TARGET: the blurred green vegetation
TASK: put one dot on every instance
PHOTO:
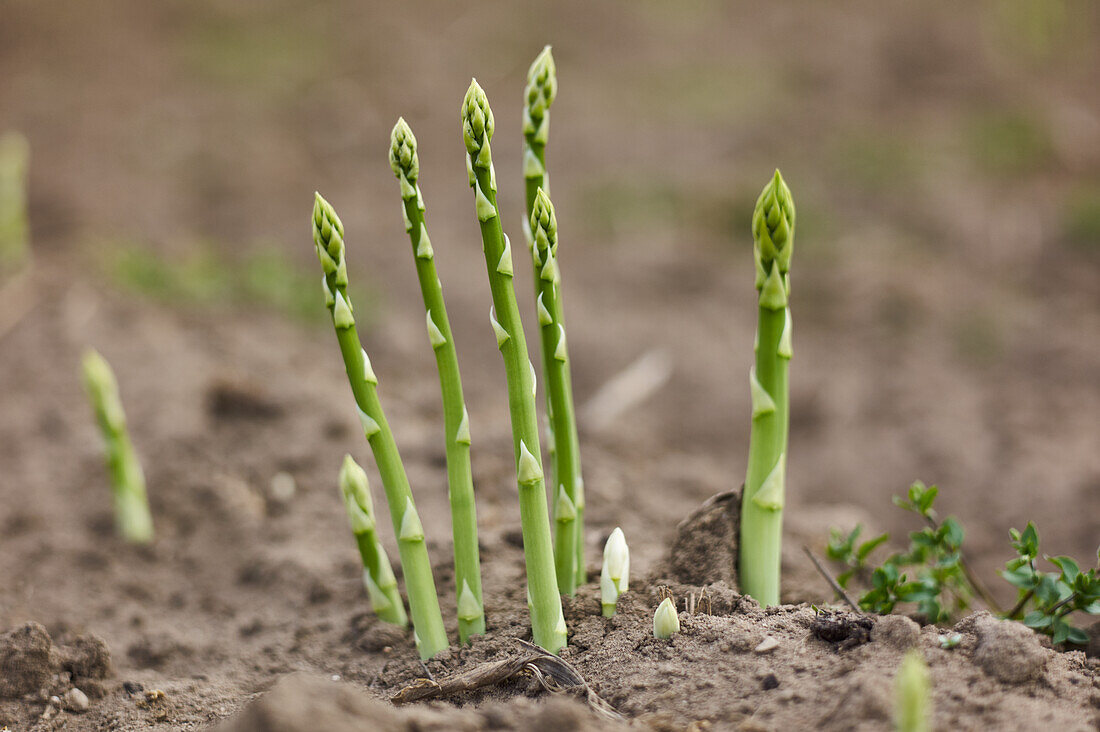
(1006, 142)
(202, 277)
(1082, 217)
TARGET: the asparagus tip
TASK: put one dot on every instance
(665, 620)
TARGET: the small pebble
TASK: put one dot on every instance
(767, 645)
(283, 487)
(76, 700)
(336, 677)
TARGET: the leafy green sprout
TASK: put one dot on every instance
(930, 573)
(1048, 598)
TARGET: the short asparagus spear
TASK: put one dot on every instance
(773, 225)
(132, 518)
(615, 575)
(377, 573)
(14, 245)
(568, 498)
(406, 166)
(547, 620)
(666, 621)
(911, 712)
(328, 238)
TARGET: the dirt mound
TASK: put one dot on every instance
(304, 703)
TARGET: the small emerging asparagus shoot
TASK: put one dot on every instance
(132, 518)
(568, 495)
(377, 573)
(547, 619)
(328, 238)
(665, 620)
(405, 163)
(773, 225)
(14, 237)
(615, 575)
(911, 713)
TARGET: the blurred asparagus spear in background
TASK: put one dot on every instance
(328, 238)
(773, 225)
(547, 620)
(568, 490)
(132, 518)
(615, 575)
(14, 230)
(377, 573)
(911, 710)
(405, 163)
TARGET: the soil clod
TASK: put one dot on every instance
(846, 630)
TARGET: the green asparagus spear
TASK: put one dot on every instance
(377, 573)
(773, 225)
(911, 712)
(568, 498)
(547, 620)
(132, 518)
(14, 244)
(406, 166)
(328, 237)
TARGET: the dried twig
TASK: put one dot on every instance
(832, 582)
(551, 672)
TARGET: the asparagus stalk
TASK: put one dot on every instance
(132, 518)
(542, 88)
(568, 498)
(615, 575)
(773, 226)
(14, 245)
(406, 166)
(911, 713)
(377, 573)
(547, 620)
(328, 237)
(665, 620)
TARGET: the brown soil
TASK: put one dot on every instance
(945, 308)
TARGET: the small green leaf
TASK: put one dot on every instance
(1077, 637)
(869, 546)
(1037, 619)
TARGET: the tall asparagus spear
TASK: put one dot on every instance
(328, 237)
(773, 225)
(547, 620)
(377, 573)
(542, 87)
(132, 518)
(568, 495)
(406, 166)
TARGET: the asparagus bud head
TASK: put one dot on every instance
(328, 237)
(404, 159)
(911, 713)
(356, 489)
(102, 387)
(542, 87)
(615, 575)
(477, 120)
(665, 620)
(773, 224)
(544, 227)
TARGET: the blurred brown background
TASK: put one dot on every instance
(944, 157)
